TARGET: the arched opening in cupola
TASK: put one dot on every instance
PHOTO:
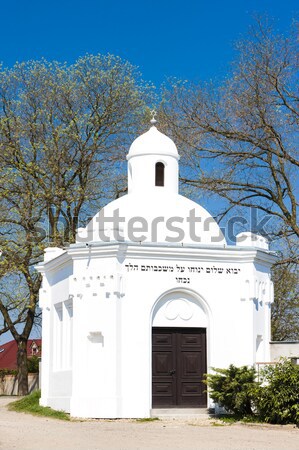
(159, 178)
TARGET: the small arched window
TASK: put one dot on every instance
(159, 179)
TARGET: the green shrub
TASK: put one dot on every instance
(33, 364)
(277, 399)
(233, 388)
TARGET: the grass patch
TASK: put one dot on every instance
(218, 424)
(229, 419)
(30, 405)
(148, 419)
(232, 418)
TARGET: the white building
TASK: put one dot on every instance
(150, 298)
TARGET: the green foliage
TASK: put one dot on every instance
(33, 364)
(233, 388)
(30, 405)
(4, 372)
(63, 129)
(148, 419)
(229, 419)
(277, 399)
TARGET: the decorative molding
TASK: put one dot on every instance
(203, 253)
(178, 308)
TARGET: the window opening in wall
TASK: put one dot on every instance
(159, 181)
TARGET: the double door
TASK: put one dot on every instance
(178, 366)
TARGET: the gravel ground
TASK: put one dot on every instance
(20, 431)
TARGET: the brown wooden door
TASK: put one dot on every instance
(178, 365)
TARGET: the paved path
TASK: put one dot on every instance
(20, 431)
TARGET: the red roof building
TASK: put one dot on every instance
(8, 352)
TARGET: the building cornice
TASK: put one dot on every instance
(203, 253)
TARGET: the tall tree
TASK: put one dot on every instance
(62, 129)
(285, 310)
(241, 137)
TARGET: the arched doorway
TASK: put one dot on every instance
(179, 351)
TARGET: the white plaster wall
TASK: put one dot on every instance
(56, 383)
(144, 180)
(45, 305)
(229, 323)
(262, 298)
(284, 350)
(165, 218)
(115, 303)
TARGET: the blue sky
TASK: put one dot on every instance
(187, 39)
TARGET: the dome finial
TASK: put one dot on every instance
(153, 119)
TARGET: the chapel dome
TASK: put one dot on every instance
(153, 142)
(158, 217)
(152, 211)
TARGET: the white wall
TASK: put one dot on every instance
(284, 350)
(117, 292)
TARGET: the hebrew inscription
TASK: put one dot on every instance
(183, 273)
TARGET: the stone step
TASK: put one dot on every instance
(180, 412)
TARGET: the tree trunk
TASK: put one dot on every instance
(22, 367)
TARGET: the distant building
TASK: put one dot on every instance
(150, 298)
(8, 352)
